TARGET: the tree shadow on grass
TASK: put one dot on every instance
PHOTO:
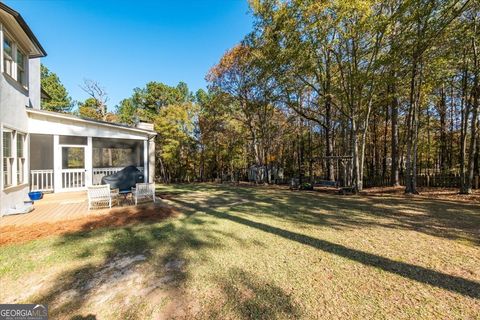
(445, 219)
(154, 252)
(437, 218)
(249, 297)
(420, 274)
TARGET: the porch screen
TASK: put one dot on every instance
(41, 152)
(73, 158)
(109, 153)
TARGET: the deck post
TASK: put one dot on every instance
(57, 164)
(89, 163)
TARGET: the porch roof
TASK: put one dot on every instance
(101, 128)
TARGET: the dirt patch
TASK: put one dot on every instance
(124, 279)
(115, 218)
(174, 265)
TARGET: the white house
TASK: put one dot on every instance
(49, 151)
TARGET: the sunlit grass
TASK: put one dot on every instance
(261, 253)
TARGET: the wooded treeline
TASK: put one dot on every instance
(392, 84)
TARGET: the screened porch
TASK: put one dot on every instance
(70, 163)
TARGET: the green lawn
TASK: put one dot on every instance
(261, 253)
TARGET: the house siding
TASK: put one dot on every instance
(12, 116)
(34, 87)
(13, 100)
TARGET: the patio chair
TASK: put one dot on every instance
(143, 191)
(101, 196)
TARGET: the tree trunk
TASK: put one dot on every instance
(202, 164)
(410, 177)
(467, 186)
(475, 120)
(465, 114)
(385, 144)
(329, 141)
(376, 151)
(442, 113)
(395, 173)
(476, 165)
(471, 151)
(328, 120)
(310, 154)
(363, 143)
(357, 181)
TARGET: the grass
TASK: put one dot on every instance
(261, 253)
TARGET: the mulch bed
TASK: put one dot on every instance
(116, 217)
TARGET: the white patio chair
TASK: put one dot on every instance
(100, 196)
(143, 191)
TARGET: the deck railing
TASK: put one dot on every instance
(73, 179)
(41, 180)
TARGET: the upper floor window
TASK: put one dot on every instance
(21, 75)
(14, 61)
(8, 56)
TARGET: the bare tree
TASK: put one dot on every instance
(98, 93)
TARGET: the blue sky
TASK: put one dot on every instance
(125, 44)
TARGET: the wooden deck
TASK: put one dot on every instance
(53, 208)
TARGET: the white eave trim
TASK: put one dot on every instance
(97, 123)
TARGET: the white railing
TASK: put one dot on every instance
(41, 180)
(99, 173)
(73, 179)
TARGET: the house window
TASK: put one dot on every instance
(13, 153)
(15, 61)
(7, 158)
(8, 56)
(20, 158)
(21, 75)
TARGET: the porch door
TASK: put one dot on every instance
(73, 167)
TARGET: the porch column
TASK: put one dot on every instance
(89, 162)
(151, 160)
(145, 161)
(26, 154)
(57, 164)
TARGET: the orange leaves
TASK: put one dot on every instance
(235, 58)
